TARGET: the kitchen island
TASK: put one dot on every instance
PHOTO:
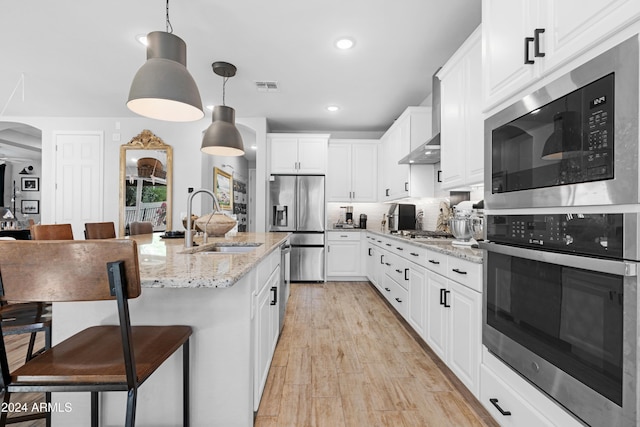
(216, 294)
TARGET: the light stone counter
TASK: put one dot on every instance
(442, 246)
(166, 263)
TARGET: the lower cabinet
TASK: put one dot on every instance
(343, 255)
(416, 313)
(267, 329)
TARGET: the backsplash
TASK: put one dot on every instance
(374, 211)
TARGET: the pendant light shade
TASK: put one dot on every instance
(565, 142)
(162, 88)
(222, 138)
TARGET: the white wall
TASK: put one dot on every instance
(185, 138)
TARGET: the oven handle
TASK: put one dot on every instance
(619, 268)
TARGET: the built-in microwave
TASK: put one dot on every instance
(573, 142)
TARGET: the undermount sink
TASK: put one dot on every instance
(230, 248)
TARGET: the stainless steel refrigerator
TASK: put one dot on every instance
(296, 204)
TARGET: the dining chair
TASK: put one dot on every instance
(99, 230)
(100, 357)
(51, 232)
(140, 228)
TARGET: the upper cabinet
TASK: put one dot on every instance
(297, 154)
(524, 40)
(461, 134)
(411, 129)
(352, 174)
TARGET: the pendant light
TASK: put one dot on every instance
(565, 142)
(222, 137)
(162, 88)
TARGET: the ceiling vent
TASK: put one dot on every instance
(267, 86)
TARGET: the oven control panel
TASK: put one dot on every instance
(588, 234)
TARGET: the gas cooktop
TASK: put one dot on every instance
(425, 234)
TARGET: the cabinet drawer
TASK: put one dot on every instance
(396, 295)
(343, 236)
(494, 394)
(465, 272)
(435, 261)
(266, 267)
(399, 271)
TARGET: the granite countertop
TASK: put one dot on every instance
(442, 246)
(166, 263)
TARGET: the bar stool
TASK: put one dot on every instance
(98, 358)
(140, 228)
(99, 230)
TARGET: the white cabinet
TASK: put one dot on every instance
(267, 328)
(526, 39)
(453, 327)
(343, 254)
(461, 134)
(298, 153)
(352, 171)
(411, 129)
(416, 315)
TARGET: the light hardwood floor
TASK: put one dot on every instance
(345, 359)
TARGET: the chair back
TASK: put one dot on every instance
(74, 270)
(99, 230)
(51, 232)
(140, 228)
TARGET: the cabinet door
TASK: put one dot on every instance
(474, 123)
(465, 335)
(453, 133)
(437, 315)
(417, 291)
(312, 156)
(364, 172)
(343, 259)
(505, 24)
(284, 155)
(264, 336)
(339, 173)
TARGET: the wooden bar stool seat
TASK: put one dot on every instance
(143, 227)
(101, 357)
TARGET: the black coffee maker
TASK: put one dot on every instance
(363, 221)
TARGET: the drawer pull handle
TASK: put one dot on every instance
(369, 251)
(387, 289)
(398, 299)
(343, 235)
(400, 249)
(433, 261)
(388, 244)
(494, 402)
(527, 40)
(381, 259)
(387, 264)
(398, 271)
(413, 253)
(536, 44)
(459, 271)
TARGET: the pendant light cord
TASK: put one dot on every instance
(168, 26)
(224, 84)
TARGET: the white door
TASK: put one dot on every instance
(364, 172)
(437, 315)
(339, 173)
(79, 191)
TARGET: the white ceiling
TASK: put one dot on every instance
(77, 58)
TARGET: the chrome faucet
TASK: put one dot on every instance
(188, 235)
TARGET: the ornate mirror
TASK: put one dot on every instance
(146, 172)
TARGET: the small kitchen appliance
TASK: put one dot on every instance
(402, 217)
(363, 221)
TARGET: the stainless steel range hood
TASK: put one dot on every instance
(429, 152)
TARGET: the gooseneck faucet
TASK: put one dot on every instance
(188, 235)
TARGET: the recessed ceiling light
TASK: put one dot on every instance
(142, 39)
(333, 108)
(345, 43)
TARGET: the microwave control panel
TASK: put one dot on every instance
(598, 127)
(587, 234)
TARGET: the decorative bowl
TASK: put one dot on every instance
(193, 222)
(215, 224)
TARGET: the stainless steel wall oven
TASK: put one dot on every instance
(573, 142)
(560, 307)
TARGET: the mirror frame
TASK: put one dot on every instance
(146, 140)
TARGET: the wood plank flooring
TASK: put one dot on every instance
(346, 359)
(16, 351)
